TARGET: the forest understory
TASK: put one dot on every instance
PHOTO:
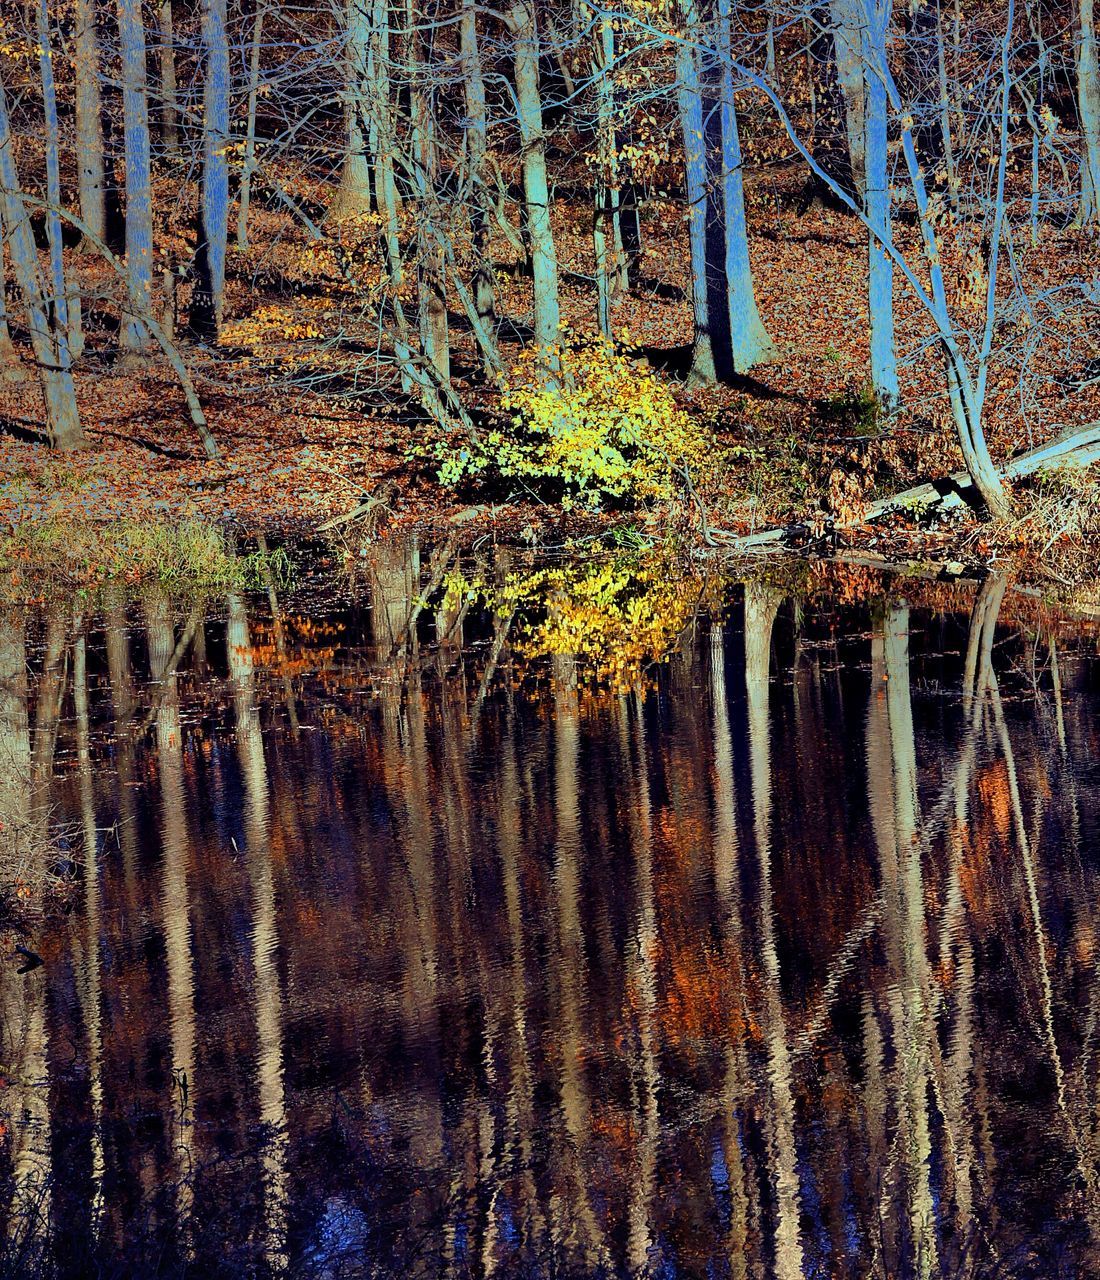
(315, 435)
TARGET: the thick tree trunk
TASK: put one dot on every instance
(139, 189)
(749, 340)
(847, 19)
(536, 185)
(353, 196)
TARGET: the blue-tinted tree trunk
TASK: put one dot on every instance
(209, 298)
(690, 96)
(139, 189)
(884, 366)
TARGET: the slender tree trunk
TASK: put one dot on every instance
(139, 188)
(249, 165)
(90, 164)
(536, 186)
(606, 236)
(880, 276)
(1088, 106)
(169, 102)
(51, 351)
(208, 301)
(484, 280)
(690, 95)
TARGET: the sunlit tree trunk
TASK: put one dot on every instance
(353, 196)
(536, 183)
(847, 17)
(139, 189)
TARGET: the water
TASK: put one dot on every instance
(385, 957)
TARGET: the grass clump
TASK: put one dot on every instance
(604, 431)
(190, 554)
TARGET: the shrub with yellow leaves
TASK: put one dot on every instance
(603, 429)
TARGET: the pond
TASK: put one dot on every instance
(587, 919)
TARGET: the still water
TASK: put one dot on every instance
(418, 936)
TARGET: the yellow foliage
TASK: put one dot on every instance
(603, 428)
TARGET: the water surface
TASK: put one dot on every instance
(402, 940)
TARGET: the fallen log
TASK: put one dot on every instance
(1080, 449)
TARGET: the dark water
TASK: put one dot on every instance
(386, 957)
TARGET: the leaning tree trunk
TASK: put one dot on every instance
(50, 346)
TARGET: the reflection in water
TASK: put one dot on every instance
(392, 957)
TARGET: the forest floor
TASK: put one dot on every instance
(308, 427)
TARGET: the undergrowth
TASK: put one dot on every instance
(189, 554)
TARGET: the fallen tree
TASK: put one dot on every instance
(1078, 449)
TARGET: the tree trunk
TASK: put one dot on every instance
(139, 190)
(90, 165)
(169, 104)
(536, 186)
(353, 196)
(484, 282)
(208, 300)
(250, 125)
(10, 368)
(880, 274)
(50, 346)
(848, 48)
(1088, 106)
(749, 340)
(606, 237)
(690, 94)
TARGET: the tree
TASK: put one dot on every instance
(91, 176)
(208, 302)
(49, 341)
(139, 179)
